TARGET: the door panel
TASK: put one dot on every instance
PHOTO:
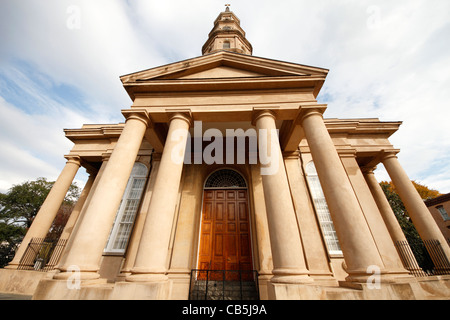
(225, 232)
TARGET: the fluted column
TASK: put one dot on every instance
(49, 209)
(355, 238)
(151, 258)
(94, 228)
(417, 210)
(287, 252)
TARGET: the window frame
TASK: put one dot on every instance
(322, 211)
(122, 212)
(443, 213)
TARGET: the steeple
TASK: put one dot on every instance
(227, 34)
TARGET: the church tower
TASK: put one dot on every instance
(227, 35)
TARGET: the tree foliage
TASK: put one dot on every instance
(22, 202)
(10, 238)
(18, 208)
(425, 192)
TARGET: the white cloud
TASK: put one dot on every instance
(32, 146)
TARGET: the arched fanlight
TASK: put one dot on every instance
(225, 178)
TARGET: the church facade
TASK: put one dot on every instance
(224, 170)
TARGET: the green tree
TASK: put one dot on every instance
(405, 221)
(20, 205)
(10, 238)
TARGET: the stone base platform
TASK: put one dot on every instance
(42, 287)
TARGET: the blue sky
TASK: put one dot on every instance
(60, 63)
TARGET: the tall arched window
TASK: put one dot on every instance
(326, 224)
(126, 214)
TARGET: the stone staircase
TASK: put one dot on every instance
(224, 290)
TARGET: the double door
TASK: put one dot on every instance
(225, 240)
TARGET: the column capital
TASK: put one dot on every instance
(156, 156)
(258, 113)
(92, 172)
(291, 154)
(387, 154)
(106, 156)
(368, 169)
(306, 111)
(73, 159)
(138, 114)
(346, 153)
(185, 115)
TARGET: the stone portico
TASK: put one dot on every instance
(141, 223)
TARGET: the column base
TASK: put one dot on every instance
(141, 291)
(12, 266)
(77, 275)
(293, 291)
(291, 276)
(180, 284)
(371, 278)
(146, 275)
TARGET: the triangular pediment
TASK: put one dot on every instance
(223, 65)
(224, 70)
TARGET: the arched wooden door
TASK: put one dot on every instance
(225, 240)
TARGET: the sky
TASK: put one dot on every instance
(60, 63)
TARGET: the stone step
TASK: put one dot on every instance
(228, 290)
(227, 284)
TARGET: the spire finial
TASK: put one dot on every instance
(228, 7)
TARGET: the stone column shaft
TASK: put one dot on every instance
(355, 238)
(385, 209)
(76, 226)
(391, 221)
(151, 258)
(49, 209)
(287, 252)
(94, 228)
(377, 226)
(78, 207)
(417, 210)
